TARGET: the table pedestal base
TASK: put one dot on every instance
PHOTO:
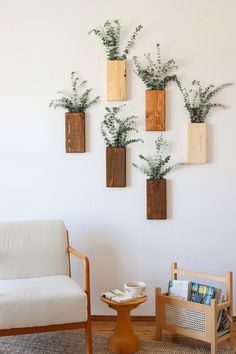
(124, 340)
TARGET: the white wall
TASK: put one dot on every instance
(41, 42)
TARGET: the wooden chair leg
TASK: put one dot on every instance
(213, 347)
(88, 331)
(158, 334)
(157, 310)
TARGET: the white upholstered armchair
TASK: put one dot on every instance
(37, 293)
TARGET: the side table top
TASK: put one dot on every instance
(136, 301)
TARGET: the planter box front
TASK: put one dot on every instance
(197, 134)
(116, 80)
(156, 199)
(116, 166)
(155, 110)
(75, 132)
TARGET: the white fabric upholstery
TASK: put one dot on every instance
(41, 301)
(33, 249)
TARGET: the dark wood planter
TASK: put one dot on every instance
(156, 198)
(155, 110)
(116, 166)
(75, 132)
(116, 80)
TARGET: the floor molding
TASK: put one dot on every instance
(113, 318)
(134, 318)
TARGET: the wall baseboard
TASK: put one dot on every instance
(113, 318)
(134, 318)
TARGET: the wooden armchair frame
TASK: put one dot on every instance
(204, 325)
(65, 326)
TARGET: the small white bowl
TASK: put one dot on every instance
(135, 288)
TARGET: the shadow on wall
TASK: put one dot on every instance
(210, 143)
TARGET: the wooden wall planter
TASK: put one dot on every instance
(155, 110)
(75, 132)
(197, 133)
(116, 166)
(116, 80)
(156, 198)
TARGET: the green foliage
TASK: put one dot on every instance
(115, 130)
(155, 166)
(197, 100)
(110, 36)
(74, 101)
(155, 74)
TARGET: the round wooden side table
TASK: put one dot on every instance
(124, 340)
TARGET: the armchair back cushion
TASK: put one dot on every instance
(33, 249)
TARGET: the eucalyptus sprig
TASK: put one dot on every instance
(115, 130)
(74, 101)
(154, 167)
(110, 36)
(155, 74)
(197, 99)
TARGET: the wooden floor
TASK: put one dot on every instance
(146, 331)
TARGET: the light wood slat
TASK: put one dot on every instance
(197, 135)
(200, 275)
(116, 80)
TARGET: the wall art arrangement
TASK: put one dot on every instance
(116, 133)
(76, 104)
(197, 101)
(116, 130)
(116, 59)
(156, 75)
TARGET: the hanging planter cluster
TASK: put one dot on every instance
(156, 75)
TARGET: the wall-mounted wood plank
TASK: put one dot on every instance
(116, 80)
(155, 110)
(197, 142)
(156, 199)
(116, 167)
(75, 132)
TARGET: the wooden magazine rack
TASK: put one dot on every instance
(192, 319)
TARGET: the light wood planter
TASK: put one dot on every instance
(156, 198)
(75, 132)
(116, 167)
(116, 80)
(197, 137)
(155, 110)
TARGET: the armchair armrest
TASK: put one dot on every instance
(85, 261)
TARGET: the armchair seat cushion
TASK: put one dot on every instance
(41, 301)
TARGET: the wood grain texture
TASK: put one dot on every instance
(155, 110)
(75, 132)
(116, 167)
(116, 80)
(197, 140)
(124, 340)
(156, 199)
